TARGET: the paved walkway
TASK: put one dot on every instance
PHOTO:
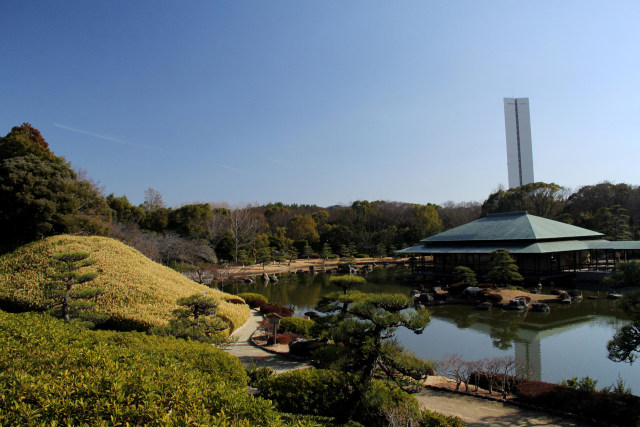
(247, 352)
(472, 410)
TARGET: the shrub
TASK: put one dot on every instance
(52, 373)
(435, 419)
(275, 308)
(252, 298)
(362, 256)
(309, 391)
(582, 384)
(235, 301)
(299, 326)
(610, 408)
(287, 337)
(494, 298)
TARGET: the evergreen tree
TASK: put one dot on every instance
(504, 269)
(347, 281)
(196, 320)
(465, 275)
(326, 252)
(69, 300)
(363, 326)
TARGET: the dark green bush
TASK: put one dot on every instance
(56, 373)
(328, 393)
(299, 326)
(435, 419)
(309, 391)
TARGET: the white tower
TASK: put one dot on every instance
(517, 126)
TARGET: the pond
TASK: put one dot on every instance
(570, 341)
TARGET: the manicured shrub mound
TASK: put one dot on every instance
(611, 408)
(299, 326)
(138, 293)
(287, 337)
(253, 299)
(275, 308)
(332, 394)
(56, 373)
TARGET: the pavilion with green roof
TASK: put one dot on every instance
(542, 248)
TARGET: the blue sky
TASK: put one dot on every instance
(323, 102)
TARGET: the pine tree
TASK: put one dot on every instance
(504, 269)
(69, 291)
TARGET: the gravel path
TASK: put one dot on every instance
(472, 410)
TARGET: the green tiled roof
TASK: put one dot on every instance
(513, 226)
(514, 248)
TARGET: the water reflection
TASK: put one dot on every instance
(569, 341)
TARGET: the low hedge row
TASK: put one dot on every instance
(56, 373)
(611, 408)
(332, 394)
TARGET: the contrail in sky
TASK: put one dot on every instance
(222, 165)
(278, 162)
(108, 138)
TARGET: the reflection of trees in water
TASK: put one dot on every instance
(505, 328)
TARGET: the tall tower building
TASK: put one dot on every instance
(518, 129)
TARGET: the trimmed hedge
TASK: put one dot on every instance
(299, 326)
(333, 394)
(275, 308)
(611, 408)
(55, 373)
(253, 298)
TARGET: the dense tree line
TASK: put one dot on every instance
(41, 195)
(612, 209)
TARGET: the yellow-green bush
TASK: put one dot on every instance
(56, 373)
(137, 291)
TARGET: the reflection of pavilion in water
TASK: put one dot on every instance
(525, 331)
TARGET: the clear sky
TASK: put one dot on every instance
(323, 102)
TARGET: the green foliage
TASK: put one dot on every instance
(309, 391)
(504, 269)
(258, 374)
(363, 325)
(581, 384)
(538, 198)
(627, 274)
(264, 256)
(325, 254)
(619, 387)
(196, 320)
(303, 227)
(54, 374)
(299, 326)
(69, 300)
(251, 298)
(624, 345)
(435, 419)
(192, 221)
(40, 195)
(347, 281)
(465, 275)
(333, 394)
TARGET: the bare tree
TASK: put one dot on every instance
(152, 200)
(243, 227)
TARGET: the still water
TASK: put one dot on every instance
(570, 341)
